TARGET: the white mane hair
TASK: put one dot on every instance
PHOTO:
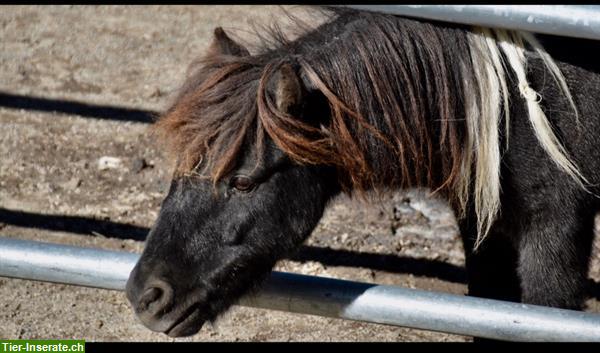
(493, 52)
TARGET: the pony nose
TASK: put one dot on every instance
(156, 298)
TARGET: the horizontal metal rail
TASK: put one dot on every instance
(321, 296)
(582, 21)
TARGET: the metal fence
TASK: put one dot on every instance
(321, 296)
(582, 21)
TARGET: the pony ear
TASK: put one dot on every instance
(223, 45)
(288, 89)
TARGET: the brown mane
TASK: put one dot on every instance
(227, 98)
(411, 103)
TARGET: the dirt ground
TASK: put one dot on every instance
(74, 82)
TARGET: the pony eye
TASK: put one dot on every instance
(242, 183)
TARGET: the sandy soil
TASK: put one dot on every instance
(72, 84)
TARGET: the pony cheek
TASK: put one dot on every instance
(235, 232)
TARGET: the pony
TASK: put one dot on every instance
(370, 103)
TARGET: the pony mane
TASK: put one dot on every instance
(412, 103)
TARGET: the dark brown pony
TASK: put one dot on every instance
(372, 102)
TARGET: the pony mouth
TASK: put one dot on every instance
(188, 324)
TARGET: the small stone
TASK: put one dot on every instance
(140, 164)
(156, 93)
(108, 162)
(73, 183)
(344, 238)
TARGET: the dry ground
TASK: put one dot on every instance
(51, 188)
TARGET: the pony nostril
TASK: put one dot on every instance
(155, 299)
(150, 296)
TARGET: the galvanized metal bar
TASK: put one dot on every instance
(65, 264)
(581, 21)
(321, 296)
